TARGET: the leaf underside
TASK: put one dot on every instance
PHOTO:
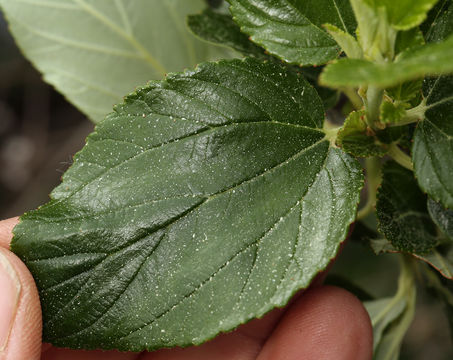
(94, 52)
(202, 202)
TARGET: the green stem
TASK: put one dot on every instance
(400, 156)
(373, 178)
(353, 97)
(413, 115)
(374, 100)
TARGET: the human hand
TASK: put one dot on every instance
(326, 323)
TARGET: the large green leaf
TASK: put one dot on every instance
(433, 142)
(95, 51)
(404, 14)
(219, 28)
(401, 211)
(432, 59)
(203, 201)
(292, 29)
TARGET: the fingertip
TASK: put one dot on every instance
(6, 228)
(325, 323)
(22, 327)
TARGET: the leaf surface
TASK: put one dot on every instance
(442, 217)
(202, 202)
(95, 51)
(432, 59)
(292, 29)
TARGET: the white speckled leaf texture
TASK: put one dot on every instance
(201, 202)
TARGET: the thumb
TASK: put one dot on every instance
(20, 312)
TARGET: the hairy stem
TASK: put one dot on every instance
(373, 178)
(373, 104)
(400, 157)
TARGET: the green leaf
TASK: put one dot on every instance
(347, 42)
(404, 14)
(442, 217)
(433, 141)
(401, 211)
(94, 52)
(292, 29)
(432, 59)
(203, 201)
(392, 113)
(221, 29)
(353, 137)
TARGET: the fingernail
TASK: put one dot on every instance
(9, 298)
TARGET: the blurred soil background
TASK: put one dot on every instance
(40, 132)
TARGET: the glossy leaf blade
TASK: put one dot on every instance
(404, 14)
(401, 211)
(203, 201)
(95, 51)
(442, 217)
(433, 59)
(292, 29)
(221, 29)
(433, 142)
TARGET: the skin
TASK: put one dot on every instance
(324, 323)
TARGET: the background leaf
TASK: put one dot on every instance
(203, 201)
(95, 51)
(401, 211)
(291, 29)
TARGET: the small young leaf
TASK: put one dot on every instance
(353, 137)
(404, 14)
(432, 59)
(401, 211)
(433, 141)
(292, 29)
(347, 42)
(203, 201)
(392, 113)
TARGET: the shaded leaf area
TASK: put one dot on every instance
(220, 28)
(404, 14)
(292, 29)
(353, 137)
(402, 213)
(203, 201)
(433, 141)
(442, 217)
(429, 60)
(94, 51)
